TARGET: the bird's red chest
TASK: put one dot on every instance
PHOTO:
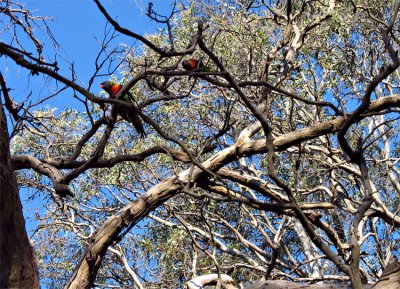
(190, 64)
(193, 63)
(114, 89)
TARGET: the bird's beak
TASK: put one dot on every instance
(101, 86)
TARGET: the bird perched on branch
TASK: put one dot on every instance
(130, 115)
(195, 65)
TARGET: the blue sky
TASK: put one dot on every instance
(75, 26)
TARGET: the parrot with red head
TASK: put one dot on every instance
(112, 88)
(195, 65)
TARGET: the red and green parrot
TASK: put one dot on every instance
(112, 88)
(195, 65)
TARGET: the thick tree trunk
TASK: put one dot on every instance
(17, 263)
(390, 278)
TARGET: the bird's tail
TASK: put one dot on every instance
(134, 119)
(208, 69)
(201, 67)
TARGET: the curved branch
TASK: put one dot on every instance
(54, 174)
(211, 279)
(86, 270)
(19, 163)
